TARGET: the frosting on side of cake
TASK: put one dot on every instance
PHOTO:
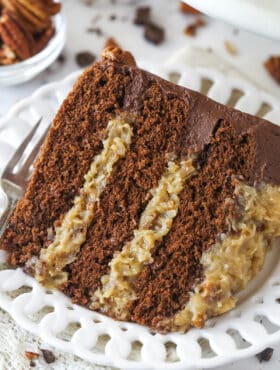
(155, 222)
(235, 260)
(71, 234)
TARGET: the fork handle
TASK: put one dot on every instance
(7, 213)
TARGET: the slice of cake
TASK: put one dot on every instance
(149, 202)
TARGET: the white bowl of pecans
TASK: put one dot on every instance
(32, 35)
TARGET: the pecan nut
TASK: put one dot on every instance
(42, 40)
(19, 40)
(36, 14)
(272, 65)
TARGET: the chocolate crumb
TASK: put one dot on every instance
(272, 65)
(187, 9)
(85, 58)
(154, 33)
(142, 15)
(31, 355)
(97, 30)
(32, 364)
(265, 355)
(278, 300)
(49, 357)
(191, 29)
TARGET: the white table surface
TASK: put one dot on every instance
(252, 51)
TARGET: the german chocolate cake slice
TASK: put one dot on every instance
(149, 202)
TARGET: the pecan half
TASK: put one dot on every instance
(36, 14)
(42, 40)
(19, 40)
(31, 355)
(272, 65)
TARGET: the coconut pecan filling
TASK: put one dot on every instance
(71, 234)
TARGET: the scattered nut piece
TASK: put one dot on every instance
(49, 357)
(85, 58)
(31, 355)
(154, 33)
(230, 48)
(142, 15)
(191, 29)
(265, 355)
(185, 8)
(272, 65)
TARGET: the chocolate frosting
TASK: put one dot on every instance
(204, 116)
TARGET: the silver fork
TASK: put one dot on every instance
(16, 174)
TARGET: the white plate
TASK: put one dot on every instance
(259, 16)
(248, 329)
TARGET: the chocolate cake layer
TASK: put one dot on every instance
(134, 246)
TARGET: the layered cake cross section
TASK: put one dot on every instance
(149, 202)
